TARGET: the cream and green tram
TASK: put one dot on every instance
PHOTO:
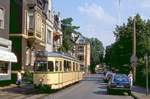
(57, 71)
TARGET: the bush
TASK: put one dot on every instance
(5, 83)
(13, 78)
(28, 76)
(141, 77)
(92, 68)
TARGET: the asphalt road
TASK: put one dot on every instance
(90, 88)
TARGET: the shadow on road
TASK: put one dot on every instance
(26, 90)
(139, 90)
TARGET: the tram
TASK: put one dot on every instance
(56, 70)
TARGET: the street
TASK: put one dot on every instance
(92, 87)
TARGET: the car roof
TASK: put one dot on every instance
(121, 74)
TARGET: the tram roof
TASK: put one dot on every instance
(56, 54)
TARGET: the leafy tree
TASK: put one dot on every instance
(68, 28)
(97, 51)
(118, 54)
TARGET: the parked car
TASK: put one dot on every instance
(119, 82)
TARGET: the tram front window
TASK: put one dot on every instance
(41, 66)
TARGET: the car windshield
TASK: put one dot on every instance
(121, 79)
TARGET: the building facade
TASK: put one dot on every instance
(6, 56)
(57, 33)
(83, 52)
(27, 30)
(49, 27)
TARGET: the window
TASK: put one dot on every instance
(3, 67)
(48, 36)
(69, 66)
(80, 48)
(2, 14)
(74, 67)
(57, 65)
(60, 66)
(65, 65)
(31, 22)
(39, 26)
(41, 66)
(81, 41)
(38, 23)
(81, 58)
(50, 66)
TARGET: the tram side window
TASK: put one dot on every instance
(65, 65)
(76, 67)
(50, 66)
(56, 65)
(69, 66)
(73, 66)
(60, 65)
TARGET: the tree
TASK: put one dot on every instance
(97, 52)
(118, 54)
(68, 29)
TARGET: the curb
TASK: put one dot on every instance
(134, 96)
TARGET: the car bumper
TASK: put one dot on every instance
(120, 89)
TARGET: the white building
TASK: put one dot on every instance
(6, 56)
(49, 28)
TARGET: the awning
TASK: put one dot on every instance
(7, 56)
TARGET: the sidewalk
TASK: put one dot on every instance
(140, 93)
(23, 89)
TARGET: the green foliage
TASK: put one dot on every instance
(15, 16)
(68, 28)
(97, 51)
(16, 48)
(141, 76)
(5, 83)
(118, 54)
(28, 76)
(45, 88)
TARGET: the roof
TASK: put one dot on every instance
(56, 54)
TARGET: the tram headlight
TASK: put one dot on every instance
(41, 80)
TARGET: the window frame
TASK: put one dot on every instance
(3, 19)
(49, 40)
(7, 66)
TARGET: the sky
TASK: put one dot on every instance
(98, 18)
